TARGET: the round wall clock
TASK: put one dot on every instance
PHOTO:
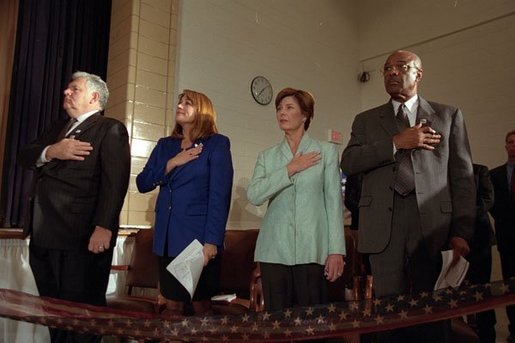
(261, 90)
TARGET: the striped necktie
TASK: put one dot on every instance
(66, 128)
(513, 186)
(405, 179)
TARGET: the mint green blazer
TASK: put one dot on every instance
(304, 219)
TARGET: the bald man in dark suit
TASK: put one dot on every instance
(82, 173)
(418, 192)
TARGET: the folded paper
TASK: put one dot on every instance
(187, 266)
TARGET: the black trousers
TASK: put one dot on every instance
(480, 269)
(406, 265)
(288, 286)
(79, 276)
(507, 255)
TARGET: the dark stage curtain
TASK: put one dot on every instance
(54, 39)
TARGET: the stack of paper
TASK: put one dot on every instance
(451, 277)
(224, 297)
(187, 266)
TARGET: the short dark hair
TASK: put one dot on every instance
(512, 132)
(304, 99)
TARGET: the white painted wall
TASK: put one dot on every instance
(467, 47)
(468, 51)
(308, 44)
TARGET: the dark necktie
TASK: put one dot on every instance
(405, 180)
(513, 186)
(66, 128)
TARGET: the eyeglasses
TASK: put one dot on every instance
(401, 68)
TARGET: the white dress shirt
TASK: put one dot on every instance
(42, 158)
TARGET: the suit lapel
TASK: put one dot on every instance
(503, 181)
(77, 132)
(175, 147)
(425, 112)
(304, 145)
(387, 116)
(176, 175)
(285, 149)
(387, 119)
(85, 125)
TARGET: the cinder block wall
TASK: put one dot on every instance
(141, 78)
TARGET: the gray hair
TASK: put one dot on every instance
(94, 83)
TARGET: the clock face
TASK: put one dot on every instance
(261, 90)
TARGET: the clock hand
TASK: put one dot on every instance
(263, 90)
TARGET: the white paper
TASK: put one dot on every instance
(451, 277)
(224, 297)
(187, 266)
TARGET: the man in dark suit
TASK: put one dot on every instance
(417, 195)
(480, 256)
(503, 211)
(82, 174)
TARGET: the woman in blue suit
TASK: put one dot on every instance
(193, 169)
(301, 239)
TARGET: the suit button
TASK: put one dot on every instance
(390, 209)
(390, 188)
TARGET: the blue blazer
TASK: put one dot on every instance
(194, 199)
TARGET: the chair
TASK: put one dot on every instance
(242, 276)
(462, 332)
(239, 275)
(142, 272)
(257, 302)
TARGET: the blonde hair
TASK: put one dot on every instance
(204, 123)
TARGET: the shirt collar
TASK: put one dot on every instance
(411, 104)
(85, 116)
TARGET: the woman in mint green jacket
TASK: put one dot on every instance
(301, 239)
